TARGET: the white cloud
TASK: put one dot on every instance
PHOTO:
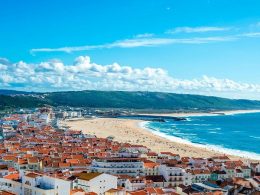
(139, 42)
(84, 74)
(145, 35)
(251, 35)
(3, 67)
(150, 39)
(201, 29)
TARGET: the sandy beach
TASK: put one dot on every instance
(128, 130)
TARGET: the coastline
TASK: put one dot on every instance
(190, 114)
(134, 132)
(218, 149)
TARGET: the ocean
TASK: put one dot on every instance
(237, 134)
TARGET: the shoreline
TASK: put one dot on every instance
(227, 151)
(132, 131)
(192, 114)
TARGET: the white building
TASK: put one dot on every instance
(151, 168)
(136, 148)
(134, 184)
(170, 156)
(118, 166)
(73, 114)
(3, 170)
(255, 167)
(200, 175)
(34, 183)
(45, 185)
(95, 182)
(11, 183)
(198, 161)
(230, 170)
(174, 176)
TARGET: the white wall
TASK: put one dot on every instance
(99, 184)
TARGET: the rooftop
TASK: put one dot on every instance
(88, 176)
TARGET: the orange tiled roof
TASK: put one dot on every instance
(140, 192)
(150, 165)
(64, 165)
(14, 176)
(32, 175)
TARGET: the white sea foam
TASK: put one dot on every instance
(216, 148)
(236, 131)
(177, 133)
(190, 124)
(256, 137)
(214, 132)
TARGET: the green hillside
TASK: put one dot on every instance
(19, 101)
(124, 99)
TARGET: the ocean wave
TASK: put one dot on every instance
(215, 132)
(216, 148)
(178, 133)
(256, 137)
(214, 129)
(190, 124)
(237, 131)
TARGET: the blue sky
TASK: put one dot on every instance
(206, 47)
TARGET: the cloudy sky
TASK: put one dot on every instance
(209, 47)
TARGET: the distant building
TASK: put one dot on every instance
(174, 176)
(123, 166)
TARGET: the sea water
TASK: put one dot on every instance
(237, 134)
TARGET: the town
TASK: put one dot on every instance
(39, 156)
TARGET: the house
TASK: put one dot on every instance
(238, 173)
(118, 191)
(230, 170)
(220, 159)
(154, 191)
(246, 171)
(156, 180)
(151, 168)
(255, 167)
(174, 176)
(35, 183)
(152, 156)
(134, 184)
(11, 183)
(136, 148)
(170, 156)
(95, 182)
(218, 175)
(200, 175)
(198, 161)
